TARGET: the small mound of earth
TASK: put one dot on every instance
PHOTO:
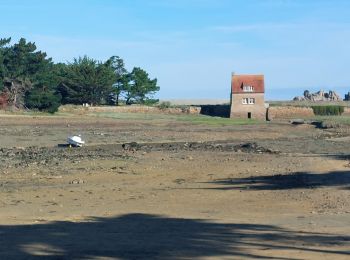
(250, 147)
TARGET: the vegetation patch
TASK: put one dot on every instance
(328, 110)
(30, 79)
(333, 121)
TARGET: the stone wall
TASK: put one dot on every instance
(346, 111)
(286, 112)
(273, 112)
(131, 109)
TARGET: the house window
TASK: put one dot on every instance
(251, 101)
(248, 101)
(248, 88)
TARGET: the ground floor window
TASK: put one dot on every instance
(249, 101)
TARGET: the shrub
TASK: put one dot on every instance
(164, 105)
(328, 110)
(43, 100)
(150, 101)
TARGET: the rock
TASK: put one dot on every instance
(347, 97)
(318, 96)
(180, 181)
(299, 98)
(133, 146)
(77, 181)
(297, 121)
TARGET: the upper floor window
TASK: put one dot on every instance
(248, 88)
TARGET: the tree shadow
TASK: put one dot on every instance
(142, 236)
(296, 180)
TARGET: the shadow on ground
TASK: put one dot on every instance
(216, 110)
(141, 236)
(296, 180)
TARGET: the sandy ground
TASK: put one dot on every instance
(184, 191)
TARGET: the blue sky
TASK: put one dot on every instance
(192, 46)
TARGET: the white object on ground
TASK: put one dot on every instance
(75, 140)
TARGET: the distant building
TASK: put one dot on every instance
(247, 97)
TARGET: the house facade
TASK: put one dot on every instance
(247, 96)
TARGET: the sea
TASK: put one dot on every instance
(284, 94)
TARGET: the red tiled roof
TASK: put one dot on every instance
(238, 81)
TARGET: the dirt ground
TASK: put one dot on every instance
(167, 189)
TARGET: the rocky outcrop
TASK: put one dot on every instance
(347, 97)
(318, 96)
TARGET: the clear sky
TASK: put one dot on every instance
(192, 46)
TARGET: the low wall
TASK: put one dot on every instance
(273, 112)
(346, 111)
(131, 109)
(287, 112)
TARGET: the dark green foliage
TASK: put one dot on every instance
(135, 87)
(141, 88)
(150, 101)
(29, 78)
(121, 79)
(328, 110)
(23, 61)
(3, 44)
(86, 81)
(22, 68)
(43, 100)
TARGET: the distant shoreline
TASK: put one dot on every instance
(216, 101)
(271, 95)
(198, 102)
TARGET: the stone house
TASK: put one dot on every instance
(247, 96)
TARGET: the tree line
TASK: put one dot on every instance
(30, 79)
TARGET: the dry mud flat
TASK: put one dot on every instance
(173, 191)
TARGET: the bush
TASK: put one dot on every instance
(43, 100)
(164, 105)
(328, 110)
(150, 102)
